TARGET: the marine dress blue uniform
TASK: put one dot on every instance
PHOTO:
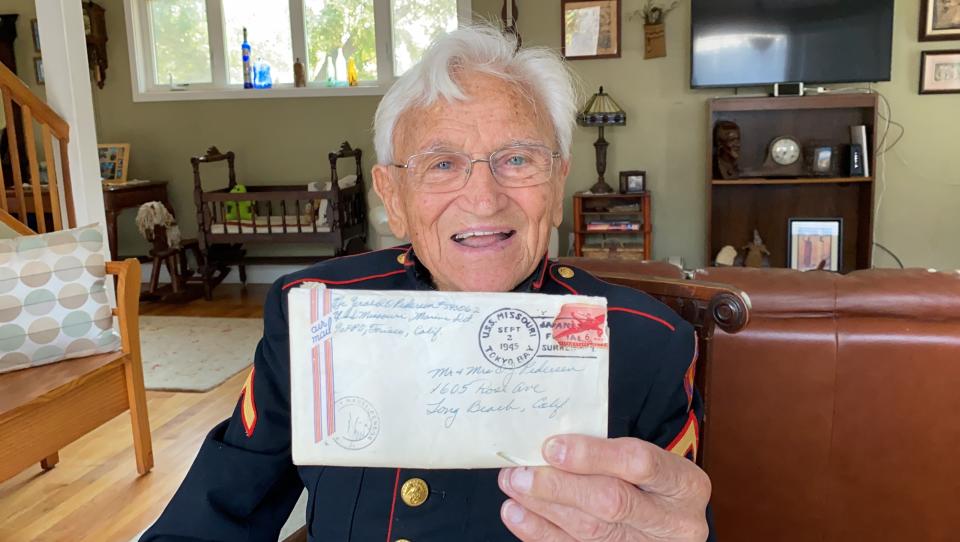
(243, 483)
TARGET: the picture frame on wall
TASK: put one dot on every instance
(35, 31)
(114, 161)
(590, 29)
(633, 182)
(940, 72)
(38, 70)
(815, 243)
(939, 20)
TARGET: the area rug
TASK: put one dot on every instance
(185, 353)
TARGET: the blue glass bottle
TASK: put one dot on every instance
(245, 52)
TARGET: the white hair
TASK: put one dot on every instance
(538, 71)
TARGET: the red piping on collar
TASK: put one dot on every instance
(645, 315)
(543, 273)
(342, 282)
(393, 506)
(560, 282)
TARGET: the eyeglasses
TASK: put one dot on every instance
(516, 166)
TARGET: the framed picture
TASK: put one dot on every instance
(822, 163)
(35, 30)
(38, 69)
(590, 29)
(939, 20)
(940, 72)
(114, 161)
(815, 243)
(633, 182)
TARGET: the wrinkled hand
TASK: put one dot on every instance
(609, 490)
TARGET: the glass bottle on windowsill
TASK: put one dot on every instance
(245, 53)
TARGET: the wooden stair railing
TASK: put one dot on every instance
(15, 198)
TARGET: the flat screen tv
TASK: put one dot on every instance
(739, 43)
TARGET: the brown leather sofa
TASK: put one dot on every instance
(835, 415)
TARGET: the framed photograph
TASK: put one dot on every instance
(35, 30)
(940, 72)
(939, 20)
(822, 161)
(590, 29)
(114, 161)
(815, 243)
(38, 69)
(633, 182)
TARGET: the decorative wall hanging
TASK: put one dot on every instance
(654, 30)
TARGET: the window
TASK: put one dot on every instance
(191, 49)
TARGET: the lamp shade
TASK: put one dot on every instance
(602, 110)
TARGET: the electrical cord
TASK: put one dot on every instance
(890, 252)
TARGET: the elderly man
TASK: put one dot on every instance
(473, 147)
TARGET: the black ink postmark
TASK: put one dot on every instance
(509, 338)
(358, 423)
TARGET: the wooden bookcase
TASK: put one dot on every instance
(736, 207)
(620, 244)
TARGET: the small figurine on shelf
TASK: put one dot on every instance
(726, 150)
(757, 254)
(352, 77)
(727, 257)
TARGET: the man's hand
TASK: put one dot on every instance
(610, 490)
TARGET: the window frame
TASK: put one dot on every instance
(140, 45)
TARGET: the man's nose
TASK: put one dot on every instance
(483, 193)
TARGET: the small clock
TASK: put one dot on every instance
(785, 151)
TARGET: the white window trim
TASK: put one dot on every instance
(139, 45)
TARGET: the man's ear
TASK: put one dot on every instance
(556, 214)
(388, 189)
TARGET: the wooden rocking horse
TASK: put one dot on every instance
(158, 226)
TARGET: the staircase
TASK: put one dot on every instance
(26, 115)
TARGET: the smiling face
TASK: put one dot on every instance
(483, 237)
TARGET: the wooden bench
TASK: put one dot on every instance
(42, 409)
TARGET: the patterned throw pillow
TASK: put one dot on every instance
(53, 299)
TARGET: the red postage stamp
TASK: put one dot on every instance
(579, 325)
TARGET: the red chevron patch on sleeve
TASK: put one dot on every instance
(687, 442)
(248, 407)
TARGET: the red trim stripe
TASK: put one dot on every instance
(317, 411)
(543, 273)
(560, 282)
(328, 365)
(645, 315)
(342, 282)
(393, 506)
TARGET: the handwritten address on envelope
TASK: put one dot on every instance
(442, 379)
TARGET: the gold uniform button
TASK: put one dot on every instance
(414, 492)
(401, 540)
(402, 260)
(565, 272)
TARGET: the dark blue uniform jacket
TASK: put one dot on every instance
(243, 483)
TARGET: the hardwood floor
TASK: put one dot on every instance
(94, 493)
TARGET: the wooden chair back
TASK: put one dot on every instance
(22, 194)
(706, 305)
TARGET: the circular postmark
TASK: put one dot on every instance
(358, 423)
(509, 338)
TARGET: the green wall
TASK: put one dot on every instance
(286, 140)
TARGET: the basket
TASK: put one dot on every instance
(619, 252)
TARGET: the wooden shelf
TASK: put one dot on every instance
(806, 180)
(608, 213)
(586, 208)
(738, 207)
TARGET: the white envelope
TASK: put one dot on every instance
(442, 379)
